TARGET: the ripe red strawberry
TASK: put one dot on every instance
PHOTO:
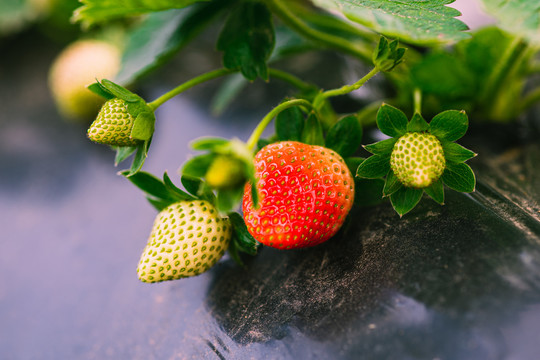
(306, 192)
(188, 238)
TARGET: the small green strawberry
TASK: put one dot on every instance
(306, 192)
(113, 125)
(417, 159)
(76, 67)
(188, 238)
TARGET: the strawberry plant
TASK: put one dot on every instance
(295, 188)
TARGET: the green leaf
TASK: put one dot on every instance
(313, 133)
(140, 157)
(161, 35)
(391, 121)
(228, 199)
(289, 124)
(122, 153)
(383, 147)
(405, 199)
(456, 153)
(436, 191)
(449, 125)
(191, 184)
(353, 163)
(180, 194)
(247, 40)
(518, 17)
(443, 74)
(143, 126)
(392, 184)
(197, 166)
(345, 136)
(97, 89)
(374, 167)
(387, 56)
(208, 143)
(95, 11)
(459, 177)
(150, 185)
(120, 91)
(245, 242)
(368, 192)
(417, 123)
(419, 22)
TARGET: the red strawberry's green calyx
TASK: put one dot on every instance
(113, 125)
(306, 192)
(417, 159)
(187, 239)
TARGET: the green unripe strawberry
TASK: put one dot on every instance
(417, 159)
(77, 66)
(188, 238)
(225, 172)
(113, 125)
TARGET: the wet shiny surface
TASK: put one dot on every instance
(455, 282)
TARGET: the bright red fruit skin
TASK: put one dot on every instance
(306, 192)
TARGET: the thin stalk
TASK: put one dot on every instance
(317, 103)
(417, 101)
(291, 79)
(188, 85)
(289, 18)
(252, 142)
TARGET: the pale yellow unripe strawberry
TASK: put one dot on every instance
(77, 66)
(187, 239)
(113, 125)
(417, 159)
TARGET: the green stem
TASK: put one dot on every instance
(319, 99)
(254, 138)
(291, 79)
(188, 85)
(290, 19)
(417, 101)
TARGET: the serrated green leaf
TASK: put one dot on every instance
(143, 126)
(122, 153)
(97, 89)
(368, 192)
(374, 167)
(392, 184)
(120, 91)
(345, 136)
(208, 143)
(420, 22)
(161, 35)
(247, 40)
(405, 199)
(449, 125)
(150, 184)
(312, 133)
(456, 153)
(289, 124)
(197, 166)
(180, 194)
(436, 191)
(417, 123)
(383, 147)
(245, 242)
(95, 11)
(460, 177)
(391, 121)
(518, 17)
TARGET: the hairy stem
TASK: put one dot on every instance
(254, 138)
(188, 85)
(290, 19)
(319, 100)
